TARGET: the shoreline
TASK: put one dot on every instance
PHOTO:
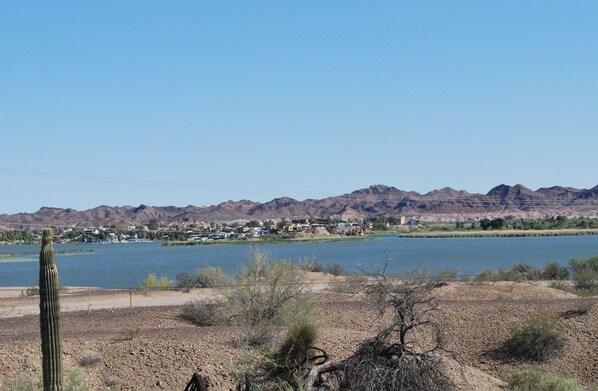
(337, 238)
(273, 240)
(500, 234)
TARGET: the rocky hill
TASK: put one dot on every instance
(374, 201)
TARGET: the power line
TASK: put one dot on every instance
(234, 188)
(148, 182)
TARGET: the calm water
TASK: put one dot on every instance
(124, 265)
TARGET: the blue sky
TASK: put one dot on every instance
(199, 102)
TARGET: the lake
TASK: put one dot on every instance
(124, 265)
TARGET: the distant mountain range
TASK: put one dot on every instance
(445, 204)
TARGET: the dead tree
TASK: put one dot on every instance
(405, 355)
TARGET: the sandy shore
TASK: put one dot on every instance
(79, 299)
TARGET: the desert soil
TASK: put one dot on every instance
(149, 347)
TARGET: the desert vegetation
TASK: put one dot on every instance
(582, 273)
(153, 282)
(536, 340)
(205, 277)
(534, 379)
(406, 354)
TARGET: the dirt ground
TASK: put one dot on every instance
(147, 346)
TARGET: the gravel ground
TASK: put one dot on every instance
(151, 348)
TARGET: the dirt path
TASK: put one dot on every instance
(12, 304)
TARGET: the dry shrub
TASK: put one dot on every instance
(89, 357)
(585, 305)
(113, 382)
(555, 271)
(202, 313)
(205, 277)
(445, 276)
(130, 331)
(31, 291)
(211, 277)
(310, 265)
(585, 274)
(350, 284)
(536, 340)
(265, 295)
(405, 355)
(378, 369)
(335, 268)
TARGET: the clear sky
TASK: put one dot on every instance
(199, 102)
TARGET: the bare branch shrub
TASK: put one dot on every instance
(405, 355)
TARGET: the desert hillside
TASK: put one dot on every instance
(151, 348)
(375, 201)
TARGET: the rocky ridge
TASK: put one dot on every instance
(374, 201)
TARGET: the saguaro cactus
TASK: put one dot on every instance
(49, 315)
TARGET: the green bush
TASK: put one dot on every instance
(74, 381)
(21, 385)
(533, 379)
(526, 271)
(555, 271)
(152, 282)
(523, 272)
(536, 340)
(289, 364)
(486, 275)
(210, 277)
(585, 274)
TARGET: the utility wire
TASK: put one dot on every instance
(150, 182)
(264, 190)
